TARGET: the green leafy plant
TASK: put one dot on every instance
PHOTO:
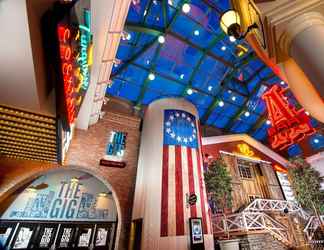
(306, 183)
(218, 184)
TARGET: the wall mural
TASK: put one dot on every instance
(66, 195)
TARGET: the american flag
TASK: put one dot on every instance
(182, 175)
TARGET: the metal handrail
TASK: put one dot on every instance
(312, 225)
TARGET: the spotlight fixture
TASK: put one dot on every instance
(316, 141)
(151, 76)
(186, 8)
(282, 83)
(268, 122)
(210, 88)
(247, 114)
(181, 76)
(234, 98)
(189, 91)
(230, 23)
(221, 104)
(161, 39)
(196, 32)
(223, 48)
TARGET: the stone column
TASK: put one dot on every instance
(303, 41)
(169, 169)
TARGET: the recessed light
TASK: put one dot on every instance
(186, 8)
(189, 91)
(234, 98)
(210, 88)
(282, 83)
(232, 39)
(181, 76)
(223, 48)
(151, 76)
(221, 104)
(247, 113)
(161, 39)
(268, 122)
(196, 32)
(316, 140)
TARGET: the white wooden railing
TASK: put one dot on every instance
(267, 205)
(250, 221)
(312, 225)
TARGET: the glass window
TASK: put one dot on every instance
(245, 169)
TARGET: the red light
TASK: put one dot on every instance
(288, 124)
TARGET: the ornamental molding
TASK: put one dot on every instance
(281, 16)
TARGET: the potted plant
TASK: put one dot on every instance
(306, 183)
(219, 188)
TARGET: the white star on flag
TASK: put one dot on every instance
(193, 136)
(183, 115)
(194, 131)
(171, 117)
(179, 138)
(188, 119)
(192, 124)
(172, 135)
(177, 114)
(168, 130)
(190, 139)
(185, 140)
(168, 124)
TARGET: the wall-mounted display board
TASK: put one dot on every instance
(63, 209)
(56, 235)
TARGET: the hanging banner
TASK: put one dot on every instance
(289, 125)
(66, 195)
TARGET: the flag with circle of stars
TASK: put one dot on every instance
(180, 128)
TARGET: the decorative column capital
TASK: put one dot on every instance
(296, 26)
(284, 19)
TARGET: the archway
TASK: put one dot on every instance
(69, 208)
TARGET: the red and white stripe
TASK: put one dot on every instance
(182, 174)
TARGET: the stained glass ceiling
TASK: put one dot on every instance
(172, 50)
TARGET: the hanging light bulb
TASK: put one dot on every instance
(186, 8)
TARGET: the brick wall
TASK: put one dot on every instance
(86, 149)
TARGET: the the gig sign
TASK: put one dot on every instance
(65, 195)
(289, 125)
(75, 48)
(115, 150)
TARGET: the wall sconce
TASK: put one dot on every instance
(230, 23)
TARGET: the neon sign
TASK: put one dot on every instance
(289, 125)
(64, 36)
(75, 43)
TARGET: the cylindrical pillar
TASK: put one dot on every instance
(170, 169)
(301, 41)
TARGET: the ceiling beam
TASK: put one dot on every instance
(159, 31)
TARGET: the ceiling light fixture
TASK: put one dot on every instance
(247, 114)
(196, 32)
(234, 98)
(210, 88)
(181, 76)
(189, 91)
(221, 104)
(186, 8)
(223, 48)
(151, 76)
(268, 122)
(161, 39)
(230, 23)
(316, 140)
(282, 83)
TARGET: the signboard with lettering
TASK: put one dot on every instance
(65, 195)
(115, 150)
